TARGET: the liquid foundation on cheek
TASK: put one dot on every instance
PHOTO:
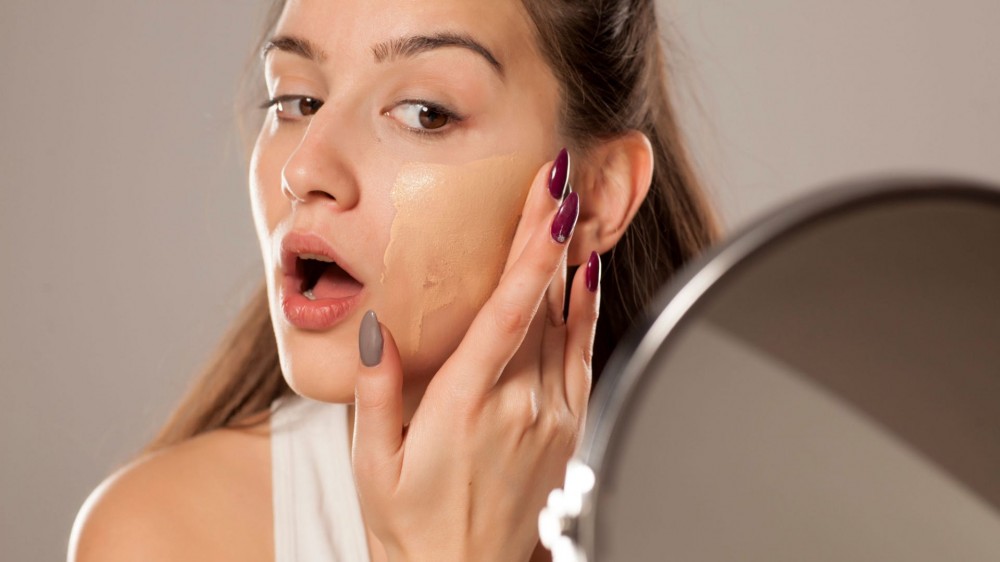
(450, 237)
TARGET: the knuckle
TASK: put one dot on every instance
(464, 400)
(588, 381)
(583, 377)
(374, 399)
(510, 318)
(526, 409)
(552, 421)
(587, 357)
(560, 429)
(542, 265)
(468, 408)
(583, 342)
(521, 408)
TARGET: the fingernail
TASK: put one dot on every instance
(565, 221)
(370, 340)
(593, 276)
(559, 178)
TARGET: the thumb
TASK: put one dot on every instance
(378, 399)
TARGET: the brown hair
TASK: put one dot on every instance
(608, 58)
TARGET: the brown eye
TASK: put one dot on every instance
(291, 108)
(431, 118)
(309, 106)
(423, 117)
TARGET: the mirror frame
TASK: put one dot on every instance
(676, 303)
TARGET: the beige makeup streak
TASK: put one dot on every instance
(452, 232)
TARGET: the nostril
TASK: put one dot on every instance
(316, 194)
(287, 192)
(326, 194)
(319, 178)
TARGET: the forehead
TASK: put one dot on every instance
(348, 29)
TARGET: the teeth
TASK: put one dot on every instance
(309, 294)
(316, 257)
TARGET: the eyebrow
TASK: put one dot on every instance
(413, 45)
(295, 45)
(403, 47)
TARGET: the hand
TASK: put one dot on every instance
(497, 423)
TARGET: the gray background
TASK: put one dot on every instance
(125, 234)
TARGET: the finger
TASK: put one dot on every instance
(546, 192)
(584, 306)
(499, 328)
(555, 296)
(553, 349)
(555, 177)
(554, 333)
(378, 400)
(526, 361)
(530, 358)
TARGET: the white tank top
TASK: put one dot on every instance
(316, 510)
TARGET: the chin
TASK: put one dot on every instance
(318, 370)
(324, 366)
(321, 391)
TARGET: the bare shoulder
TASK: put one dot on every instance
(207, 498)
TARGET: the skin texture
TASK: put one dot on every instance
(456, 262)
(207, 498)
(501, 381)
(335, 173)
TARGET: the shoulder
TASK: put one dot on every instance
(198, 500)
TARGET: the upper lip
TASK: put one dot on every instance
(296, 243)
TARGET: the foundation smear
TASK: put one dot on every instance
(452, 231)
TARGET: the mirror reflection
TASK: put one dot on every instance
(835, 396)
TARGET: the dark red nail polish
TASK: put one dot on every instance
(565, 221)
(593, 273)
(559, 178)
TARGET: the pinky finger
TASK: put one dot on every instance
(581, 325)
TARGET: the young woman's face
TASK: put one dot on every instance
(402, 148)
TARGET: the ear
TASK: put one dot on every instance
(612, 179)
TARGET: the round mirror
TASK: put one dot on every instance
(825, 386)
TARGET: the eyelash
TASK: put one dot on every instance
(283, 99)
(453, 118)
(425, 133)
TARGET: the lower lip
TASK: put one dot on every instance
(317, 315)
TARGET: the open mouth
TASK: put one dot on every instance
(320, 278)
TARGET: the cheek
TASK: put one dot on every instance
(267, 203)
(448, 246)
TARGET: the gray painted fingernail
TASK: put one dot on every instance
(370, 340)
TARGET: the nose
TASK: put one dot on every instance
(318, 169)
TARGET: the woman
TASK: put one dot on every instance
(418, 232)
